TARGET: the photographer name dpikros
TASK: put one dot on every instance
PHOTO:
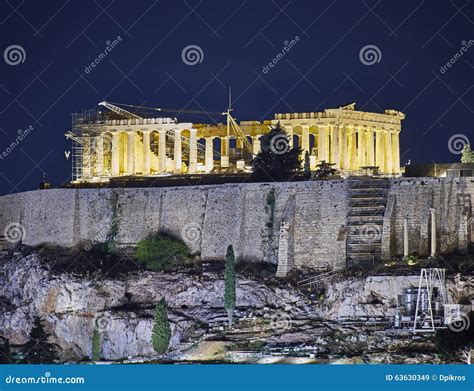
(424, 377)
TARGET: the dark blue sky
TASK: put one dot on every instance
(238, 38)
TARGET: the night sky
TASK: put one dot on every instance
(44, 77)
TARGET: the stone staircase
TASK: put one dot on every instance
(367, 199)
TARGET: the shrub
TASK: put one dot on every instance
(229, 283)
(38, 350)
(160, 251)
(96, 345)
(161, 333)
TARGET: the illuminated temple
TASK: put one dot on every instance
(116, 142)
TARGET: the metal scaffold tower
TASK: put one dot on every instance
(431, 298)
(85, 126)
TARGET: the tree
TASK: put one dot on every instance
(307, 166)
(5, 354)
(276, 161)
(38, 350)
(323, 170)
(467, 155)
(161, 333)
(229, 282)
(95, 345)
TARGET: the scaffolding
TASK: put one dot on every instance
(86, 125)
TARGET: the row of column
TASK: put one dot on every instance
(129, 153)
(351, 148)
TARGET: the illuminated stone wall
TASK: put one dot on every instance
(248, 216)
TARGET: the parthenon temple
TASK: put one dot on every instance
(107, 144)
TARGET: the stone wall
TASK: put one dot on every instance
(412, 198)
(207, 218)
(248, 216)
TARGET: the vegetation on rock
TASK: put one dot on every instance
(229, 282)
(38, 350)
(95, 345)
(162, 252)
(467, 155)
(161, 333)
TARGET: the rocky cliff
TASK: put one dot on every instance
(271, 318)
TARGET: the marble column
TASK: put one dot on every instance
(344, 148)
(379, 160)
(388, 153)
(361, 147)
(146, 153)
(322, 144)
(433, 232)
(130, 152)
(86, 158)
(304, 140)
(162, 151)
(396, 152)
(370, 147)
(352, 150)
(178, 153)
(115, 171)
(255, 144)
(209, 155)
(335, 157)
(405, 238)
(225, 152)
(193, 157)
(289, 131)
(99, 149)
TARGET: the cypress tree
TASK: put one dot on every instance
(96, 345)
(38, 350)
(229, 281)
(161, 333)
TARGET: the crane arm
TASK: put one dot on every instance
(119, 110)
